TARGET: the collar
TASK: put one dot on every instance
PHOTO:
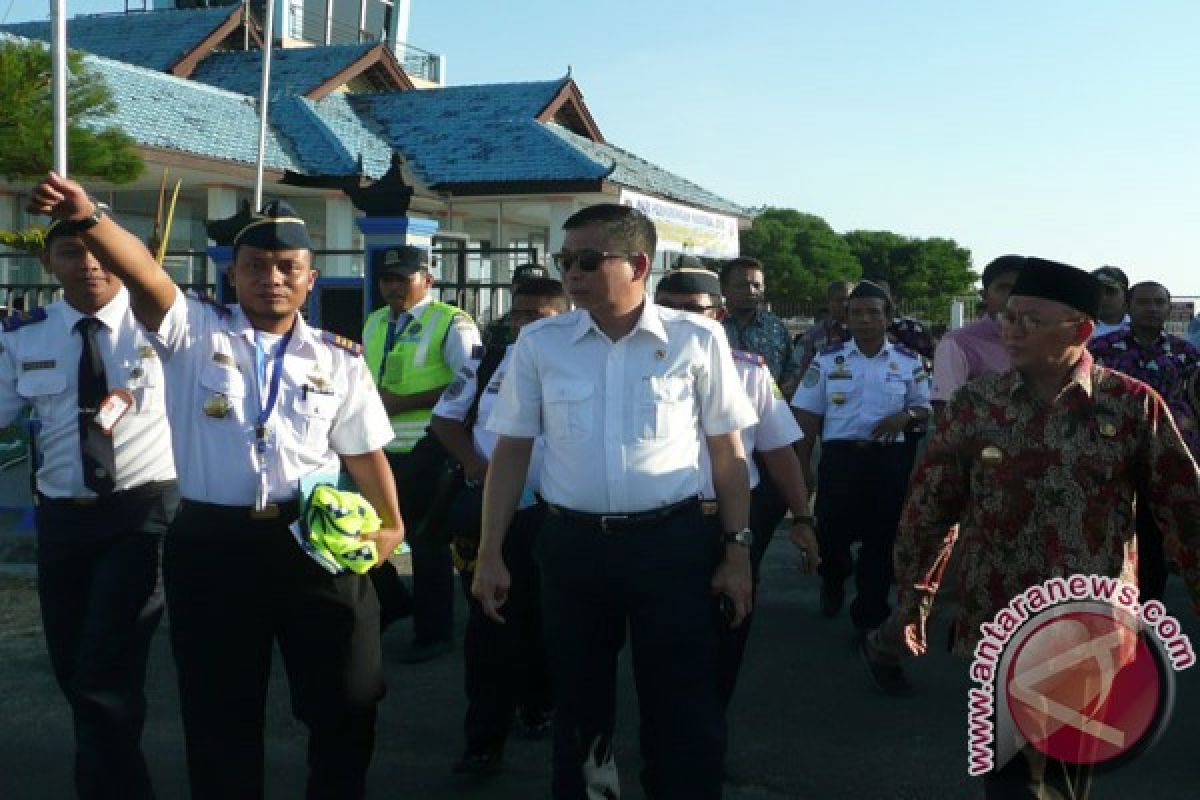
(884, 352)
(415, 311)
(650, 321)
(110, 315)
(1080, 378)
(302, 334)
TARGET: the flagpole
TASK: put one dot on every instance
(58, 14)
(263, 104)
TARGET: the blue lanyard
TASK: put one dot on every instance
(260, 374)
(395, 327)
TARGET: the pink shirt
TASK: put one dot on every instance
(966, 354)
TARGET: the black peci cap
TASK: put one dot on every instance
(1059, 282)
(689, 280)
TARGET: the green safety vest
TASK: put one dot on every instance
(415, 364)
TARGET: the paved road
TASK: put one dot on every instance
(806, 724)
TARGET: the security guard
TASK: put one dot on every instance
(499, 331)
(414, 347)
(698, 291)
(505, 665)
(622, 391)
(262, 407)
(859, 396)
(105, 492)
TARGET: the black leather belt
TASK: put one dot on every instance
(141, 492)
(857, 444)
(608, 522)
(273, 512)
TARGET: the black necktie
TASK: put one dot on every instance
(95, 447)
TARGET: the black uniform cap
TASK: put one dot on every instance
(1061, 283)
(691, 281)
(869, 289)
(527, 272)
(276, 227)
(998, 266)
(403, 260)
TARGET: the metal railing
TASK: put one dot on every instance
(416, 62)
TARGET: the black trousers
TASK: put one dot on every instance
(236, 586)
(505, 665)
(654, 581)
(767, 509)
(1031, 775)
(1152, 558)
(432, 566)
(860, 493)
(101, 603)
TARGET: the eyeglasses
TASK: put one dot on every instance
(1031, 324)
(587, 259)
(694, 308)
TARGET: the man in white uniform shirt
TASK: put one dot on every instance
(620, 389)
(260, 404)
(505, 665)
(105, 492)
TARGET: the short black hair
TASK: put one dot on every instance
(541, 287)
(741, 262)
(627, 228)
(998, 266)
(1143, 284)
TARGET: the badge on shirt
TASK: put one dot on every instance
(1108, 429)
(840, 375)
(224, 359)
(146, 351)
(991, 455)
(319, 383)
(812, 376)
(837, 398)
(216, 406)
(112, 408)
(30, 366)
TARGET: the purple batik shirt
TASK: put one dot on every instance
(1166, 365)
(968, 353)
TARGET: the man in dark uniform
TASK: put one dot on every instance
(499, 332)
(105, 493)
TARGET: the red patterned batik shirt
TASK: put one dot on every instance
(1043, 490)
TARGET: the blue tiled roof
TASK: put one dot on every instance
(153, 39)
(171, 113)
(477, 134)
(328, 137)
(639, 174)
(294, 71)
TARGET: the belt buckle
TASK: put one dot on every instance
(84, 501)
(607, 519)
(709, 508)
(269, 511)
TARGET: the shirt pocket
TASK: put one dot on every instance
(222, 394)
(46, 391)
(313, 418)
(568, 410)
(664, 406)
(144, 380)
(891, 398)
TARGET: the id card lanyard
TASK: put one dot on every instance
(263, 437)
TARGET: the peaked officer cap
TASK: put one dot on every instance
(1061, 283)
(276, 227)
(689, 280)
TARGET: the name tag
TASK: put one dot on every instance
(112, 408)
(30, 366)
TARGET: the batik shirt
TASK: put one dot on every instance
(1166, 365)
(818, 337)
(1043, 491)
(769, 337)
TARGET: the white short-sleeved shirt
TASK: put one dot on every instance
(327, 404)
(621, 419)
(776, 426)
(853, 392)
(461, 337)
(456, 401)
(39, 368)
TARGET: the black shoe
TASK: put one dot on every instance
(536, 726)
(888, 678)
(483, 763)
(833, 596)
(419, 653)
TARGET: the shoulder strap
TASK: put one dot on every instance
(492, 357)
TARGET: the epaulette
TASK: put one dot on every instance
(833, 348)
(19, 319)
(335, 340)
(210, 301)
(750, 358)
(906, 351)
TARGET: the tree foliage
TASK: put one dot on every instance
(27, 122)
(802, 255)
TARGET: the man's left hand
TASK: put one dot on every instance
(735, 580)
(386, 540)
(804, 537)
(890, 427)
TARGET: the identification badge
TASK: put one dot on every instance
(112, 408)
(216, 406)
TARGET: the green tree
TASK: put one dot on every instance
(801, 254)
(27, 123)
(924, 274)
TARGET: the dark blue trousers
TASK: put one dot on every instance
(101, 603)
(432, 566)
(861, 488)
(652, 581)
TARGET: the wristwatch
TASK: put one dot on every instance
(99, 210)
(912, 414)
(807, 519)
(744, 537)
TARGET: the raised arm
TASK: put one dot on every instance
(151, 290)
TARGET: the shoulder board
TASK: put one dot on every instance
(749, 358)
(349, 345)
(905, 351)
(833, 348)
(19, 319)
(211, 302)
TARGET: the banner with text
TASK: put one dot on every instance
(685, 229)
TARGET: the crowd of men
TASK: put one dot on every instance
(611, 469)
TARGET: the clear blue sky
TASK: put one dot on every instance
(1063, 128)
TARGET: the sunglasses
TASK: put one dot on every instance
(587, 259)
(694, 308)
